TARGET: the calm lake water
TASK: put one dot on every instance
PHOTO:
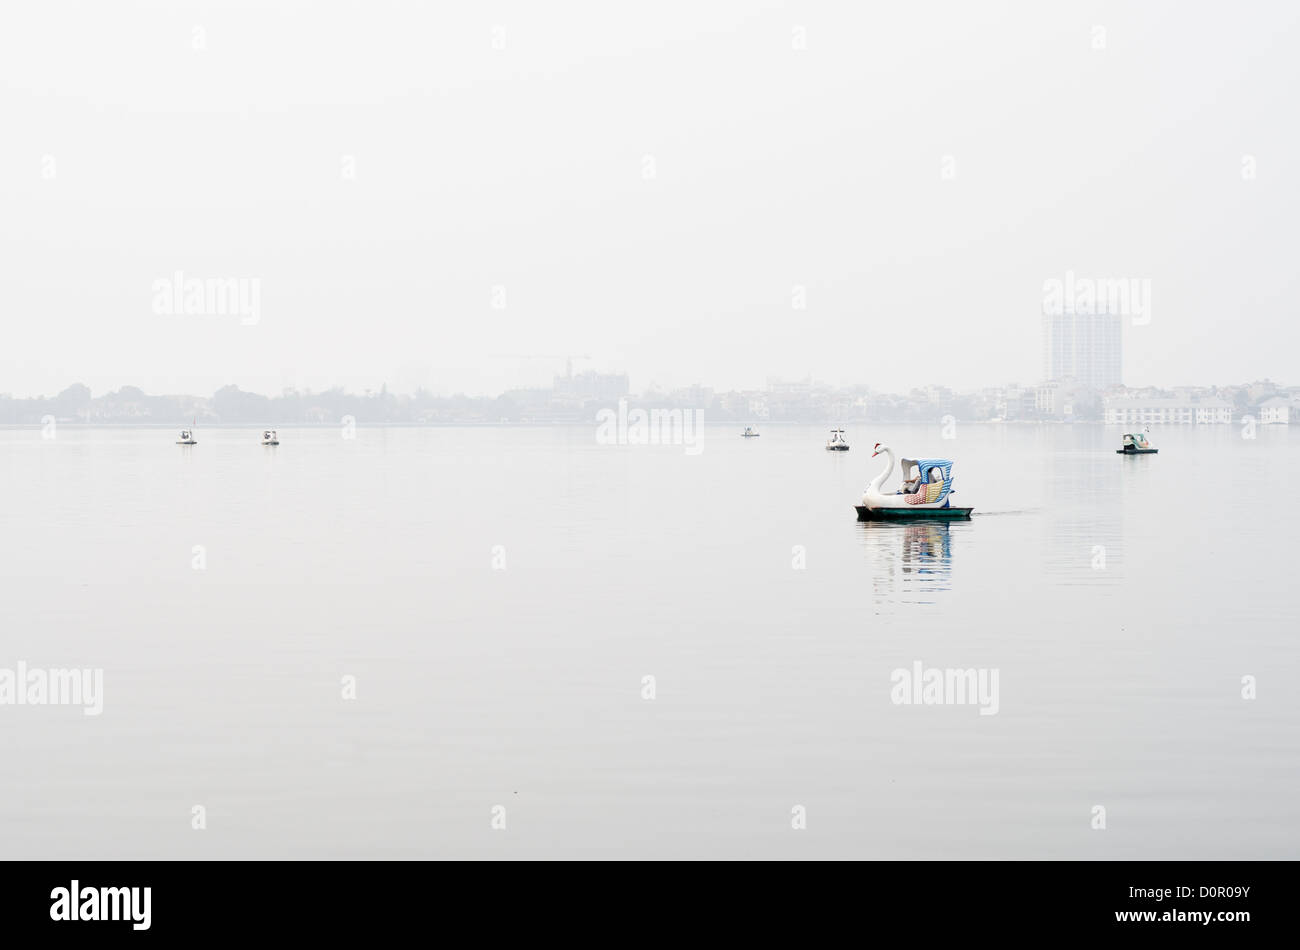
(1121, 600)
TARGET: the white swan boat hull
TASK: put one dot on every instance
(874, 499)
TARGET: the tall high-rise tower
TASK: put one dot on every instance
(1085, 347)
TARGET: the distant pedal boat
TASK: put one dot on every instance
(270, 437)
(837, 442)
(187, 438)
(749, 433)
(1135, 443)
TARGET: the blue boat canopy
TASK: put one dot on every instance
(923, 468)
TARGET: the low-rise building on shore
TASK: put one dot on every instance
(1279, 410)
(1167, 410)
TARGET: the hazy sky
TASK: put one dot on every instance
(381, 167)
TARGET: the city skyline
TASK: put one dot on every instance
(410, 375)
(770, 383)
(577, 398)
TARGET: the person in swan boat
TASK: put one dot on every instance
(916, 487)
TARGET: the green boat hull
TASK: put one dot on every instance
(914, 514)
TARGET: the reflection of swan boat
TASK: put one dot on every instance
(926, 547)
(913, 561)
(928, 500)
(836, 442)
(1135, 443)
(270, 437)
(749, 433)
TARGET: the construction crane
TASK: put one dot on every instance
(568, 359)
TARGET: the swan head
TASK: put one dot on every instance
(878, 449)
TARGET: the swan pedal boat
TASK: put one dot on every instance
(1136, 444)
(877, 506)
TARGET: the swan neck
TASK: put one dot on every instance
(888, 453)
